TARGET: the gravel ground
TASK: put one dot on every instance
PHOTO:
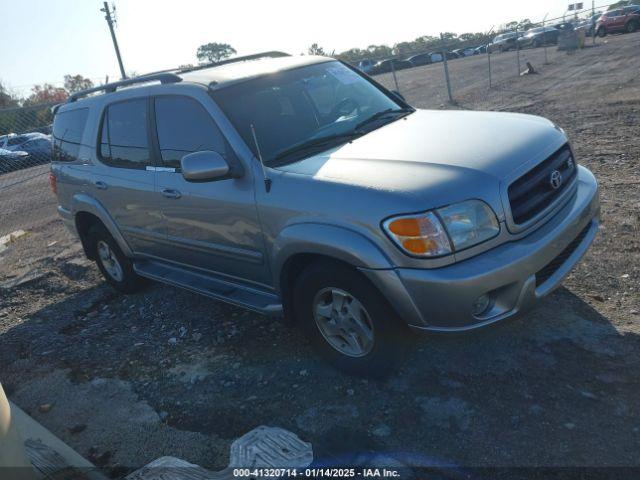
(165, 372)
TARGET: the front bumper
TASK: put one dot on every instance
(442, 299)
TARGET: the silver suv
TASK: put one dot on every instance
(297, 185)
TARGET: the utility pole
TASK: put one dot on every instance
(544, 36)
(518, 50)
(111, 21)
(489, 55)
(593, 23)
(446, 68)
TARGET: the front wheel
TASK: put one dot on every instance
(347, 320)
(116, 268)
(602, 32)
(632, 26)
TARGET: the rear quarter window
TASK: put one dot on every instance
(68, 129)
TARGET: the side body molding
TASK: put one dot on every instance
(85, 203)
(323, 239)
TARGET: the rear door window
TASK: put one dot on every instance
(124, 141)
(184, 126)
(68, 129)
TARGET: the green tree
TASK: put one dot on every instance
(316, 49)
(214, 52)
(6, 99)
(75, 83)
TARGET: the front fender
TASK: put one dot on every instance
(84, 203)
(329, 240)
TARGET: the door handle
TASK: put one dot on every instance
(100, 185)
(169, 193)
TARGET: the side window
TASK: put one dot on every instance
(184, 127)
(123, 141)
(68, 128)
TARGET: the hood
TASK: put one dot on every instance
(491, 143)
(439, 154)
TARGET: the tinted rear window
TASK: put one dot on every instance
(124, 140)
(68, 128)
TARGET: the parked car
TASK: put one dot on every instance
(481, 49)
(366, 65)
(39, 149)
(296, 186)
(539, 36)
(385, 66)
(4, 139)
(590, 24)
(436, 57)
(421, 59)
(15, 142)
(625, 19)
(566, 26)
(504, 42)
(12, 160)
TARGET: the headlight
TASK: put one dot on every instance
(445, 230)
(469, 223)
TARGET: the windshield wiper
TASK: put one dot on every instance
(314, 144)
(383, 113)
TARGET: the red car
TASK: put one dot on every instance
(625, 19)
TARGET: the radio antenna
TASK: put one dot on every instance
(267, 180)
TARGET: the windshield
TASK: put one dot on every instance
(295, 107)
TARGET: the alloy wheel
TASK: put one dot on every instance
(343, 322)
(109, 261)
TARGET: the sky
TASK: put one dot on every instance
(42, 40)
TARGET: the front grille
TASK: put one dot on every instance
(535, 190)
(552, 267)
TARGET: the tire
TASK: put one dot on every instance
(324, 285)
(602, 32)
(631, 26)
(115, 266)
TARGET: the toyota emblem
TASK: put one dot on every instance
(555, 180)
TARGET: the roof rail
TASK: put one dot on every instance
(255, 56)
(112, 87)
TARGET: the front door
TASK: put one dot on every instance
(214, 225)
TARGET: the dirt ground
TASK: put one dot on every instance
(166, 372)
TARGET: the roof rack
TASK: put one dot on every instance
(255, 56)
(112, 87)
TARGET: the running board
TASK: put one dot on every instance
(259, 301)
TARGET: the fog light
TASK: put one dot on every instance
(482, 305)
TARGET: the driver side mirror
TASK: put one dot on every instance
(204, 166)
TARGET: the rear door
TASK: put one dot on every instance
(124, 178)
(616, 21)
(213, 225)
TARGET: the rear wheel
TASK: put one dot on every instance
(347, 320)
(602, 31)
(116, 268)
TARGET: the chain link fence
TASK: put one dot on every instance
(452, 68)
(25, 152)
(434, 77)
